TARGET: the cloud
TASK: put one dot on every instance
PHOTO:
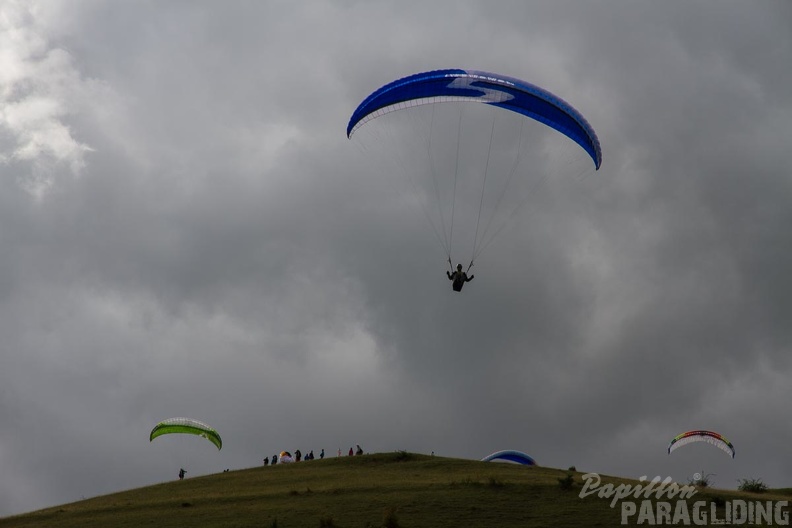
(40, 88)
(226, 253)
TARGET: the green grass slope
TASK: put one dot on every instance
(392, 490)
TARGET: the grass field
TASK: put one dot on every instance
(390, 489)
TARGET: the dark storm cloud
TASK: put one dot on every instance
(200, 238)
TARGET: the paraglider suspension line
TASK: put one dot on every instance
(483, 186)
(456, 172)
(447, 241)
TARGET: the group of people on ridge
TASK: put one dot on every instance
(298, 456)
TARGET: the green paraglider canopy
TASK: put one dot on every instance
(186, 426)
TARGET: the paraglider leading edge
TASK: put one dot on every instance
(478, 86)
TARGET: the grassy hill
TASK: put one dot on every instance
(392, 490)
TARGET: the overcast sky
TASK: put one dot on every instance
(187, 231)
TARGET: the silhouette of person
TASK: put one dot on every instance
(459, 278)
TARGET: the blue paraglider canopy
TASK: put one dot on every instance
(497, 157)
(477, 86)
(518, 457)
